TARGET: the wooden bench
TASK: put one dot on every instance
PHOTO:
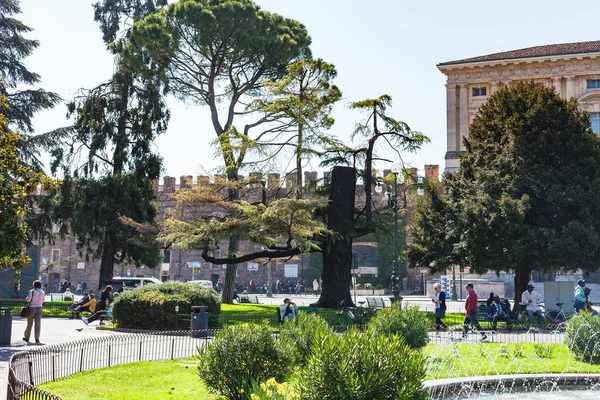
(482, 313)
(375, 303)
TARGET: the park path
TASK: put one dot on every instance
(54, 331)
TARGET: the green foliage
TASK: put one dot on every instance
(17, 182)
(304, 335)
(404, 320)
(241, 355)
(581, 338)
(153, 306)
(526, 195)
(284, 224)
(361, 366)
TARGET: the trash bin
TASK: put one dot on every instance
(199, 321)
(5, 325)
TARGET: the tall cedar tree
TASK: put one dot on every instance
(220, 54)
(115, 126)
(527, 195)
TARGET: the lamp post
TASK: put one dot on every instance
(453, 295)
(396, 207)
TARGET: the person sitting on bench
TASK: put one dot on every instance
(102, 314)
(77, 314)
(287, 310)
(499, 314)
(90, 305)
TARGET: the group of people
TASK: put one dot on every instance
(100, 310)
(500, 310)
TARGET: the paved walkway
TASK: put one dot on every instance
(54, 331)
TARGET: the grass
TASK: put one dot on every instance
(458, 360)
(148, 380)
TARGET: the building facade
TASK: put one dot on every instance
(573, 69)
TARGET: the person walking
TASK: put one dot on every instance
(471, 304)
(580, 300)
(531, 300)
(35, 298)
(439, 299)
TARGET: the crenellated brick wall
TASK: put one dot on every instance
(71, 264)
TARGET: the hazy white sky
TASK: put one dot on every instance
(377, 46)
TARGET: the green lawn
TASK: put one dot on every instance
(177, 379)
(457, 360)
(148, 380)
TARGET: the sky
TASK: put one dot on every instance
(377, 46)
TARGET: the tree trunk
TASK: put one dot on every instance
(230, 274)
(337, 251)
(522, 277)
(107, 265)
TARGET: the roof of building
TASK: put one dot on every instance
(536, 51)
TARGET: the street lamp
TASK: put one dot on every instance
(396, 207)
(453, 295)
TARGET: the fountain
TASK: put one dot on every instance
(506, 368)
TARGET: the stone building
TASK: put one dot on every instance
(573, 69)
(62, 260)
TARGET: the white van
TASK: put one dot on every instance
(121, 283)
(203, 283)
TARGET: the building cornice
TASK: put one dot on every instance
(446, 68)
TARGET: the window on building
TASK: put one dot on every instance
(55, 255)
(593, 83)
(479, 91)
(595, 117)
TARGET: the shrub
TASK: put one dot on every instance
(359, 366)
(583, 337)
(241, 355)
(405, 320)
(303, 333)
(153, 306)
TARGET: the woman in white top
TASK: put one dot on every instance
(35, 298)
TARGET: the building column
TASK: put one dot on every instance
(494, 87)
(463, 115)
(451, 118)
(570, 86)
(556, 82)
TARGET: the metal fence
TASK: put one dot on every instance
(37, 366)
(529, 336)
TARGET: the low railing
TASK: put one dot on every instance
(34, 367)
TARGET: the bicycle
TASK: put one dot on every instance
(558, 316)
(350, 316)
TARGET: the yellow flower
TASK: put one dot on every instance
(242, 390)
(254, 397)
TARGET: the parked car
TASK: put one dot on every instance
(203, 283)
(122, 283)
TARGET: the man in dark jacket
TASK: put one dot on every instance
(499, 314)
(471, 313)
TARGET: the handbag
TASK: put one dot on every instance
(24, 311)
